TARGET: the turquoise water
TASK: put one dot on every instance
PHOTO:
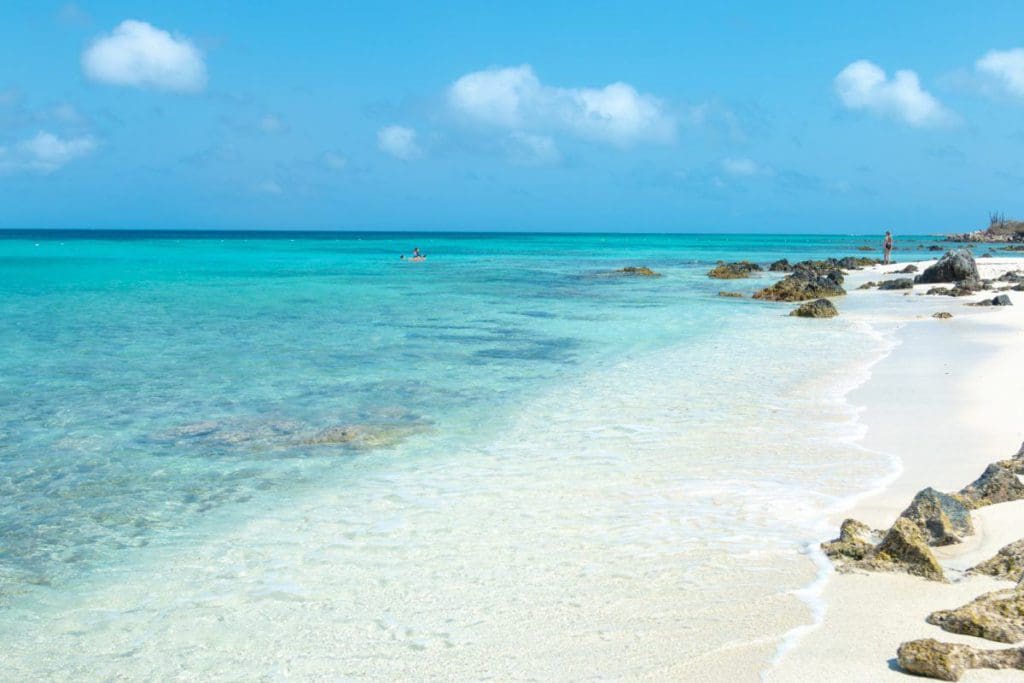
(181, 395)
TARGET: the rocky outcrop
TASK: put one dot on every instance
(949, 662)
(954, 265)
(868, 285)
(997, 484)
(638, 271)
(735, 295)
(943, 519)
(855, 541)
(938, 291)
(942, 315)
(780, 266)
(1001, 300)
(898, 283)
(733, 271)
(820, 308)
(904, 549)
(802, 285)
(1016, 463)
(1007, 564)
(997, 616)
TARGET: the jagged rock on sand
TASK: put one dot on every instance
(820, 308)
(943, 519)
(734, 271)
(996, 616)
(736, 295)
(802, 285)
(942, 315)
(1016, 463)
(997, 484)
(1007, 564)
(638, 271)
(1001, 300)
(954, 265)
(898, 283)
(868, 285)
(910, 268)
(939, 291)
(949, 662)
(904, 549)
(855, 541)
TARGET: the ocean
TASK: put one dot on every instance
(270, 456)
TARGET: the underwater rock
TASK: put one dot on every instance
(736, 295)
(997, 616)
(820, 308)
(904, 549)
(733, 271)
(898, 283)
(855, 541)
(949, 662)
(638, 271)
(1007, 564)
(802, 285)
(957, 264)
(943, 519)
(360, 436)
(997, 484)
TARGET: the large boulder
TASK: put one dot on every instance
(733, 271)
(944, 520)
(949, 662)
(802, 285)
(997, 616)
(855, 541)
(954, 266)
(1007, 564)
(904, 549)
(997, 484)
(819, 308)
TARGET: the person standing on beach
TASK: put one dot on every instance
(887, 246)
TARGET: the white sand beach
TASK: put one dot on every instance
(946, 403)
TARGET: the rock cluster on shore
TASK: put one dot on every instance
(933, 519)
(819, 308)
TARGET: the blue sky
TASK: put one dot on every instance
(788, 117)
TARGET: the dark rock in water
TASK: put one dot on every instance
(904, 549)
(639, 271)
(820, 308)
(954, 265)
(780, 266)
(997, 616)
(935, 247)
(942, 315)
(898, 283)
(865, 247)
(868, 285)
(733, 271)
(949, 662)
(737, 295)
(943, 519)
(855, 541)
(996, 485)
(361, 437)
(802, 285)
(1007, 564)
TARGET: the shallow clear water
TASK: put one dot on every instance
(547, 470)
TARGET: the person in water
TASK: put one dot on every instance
(887, 246)
(417, 255)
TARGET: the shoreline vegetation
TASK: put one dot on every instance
(932, 519)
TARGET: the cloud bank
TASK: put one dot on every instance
(399, 142)
(139, 55)
(44, 153)
(1005, 68)
(864, 85)
(513, 98)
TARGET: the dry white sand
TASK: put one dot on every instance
(946, 402)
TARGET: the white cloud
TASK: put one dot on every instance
(139, 55)
(865, 85)
(399, 142)
(527, 149)
(1005, 68)
(334, 161)
(515, 99)
(44, 153)
(741, 167)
